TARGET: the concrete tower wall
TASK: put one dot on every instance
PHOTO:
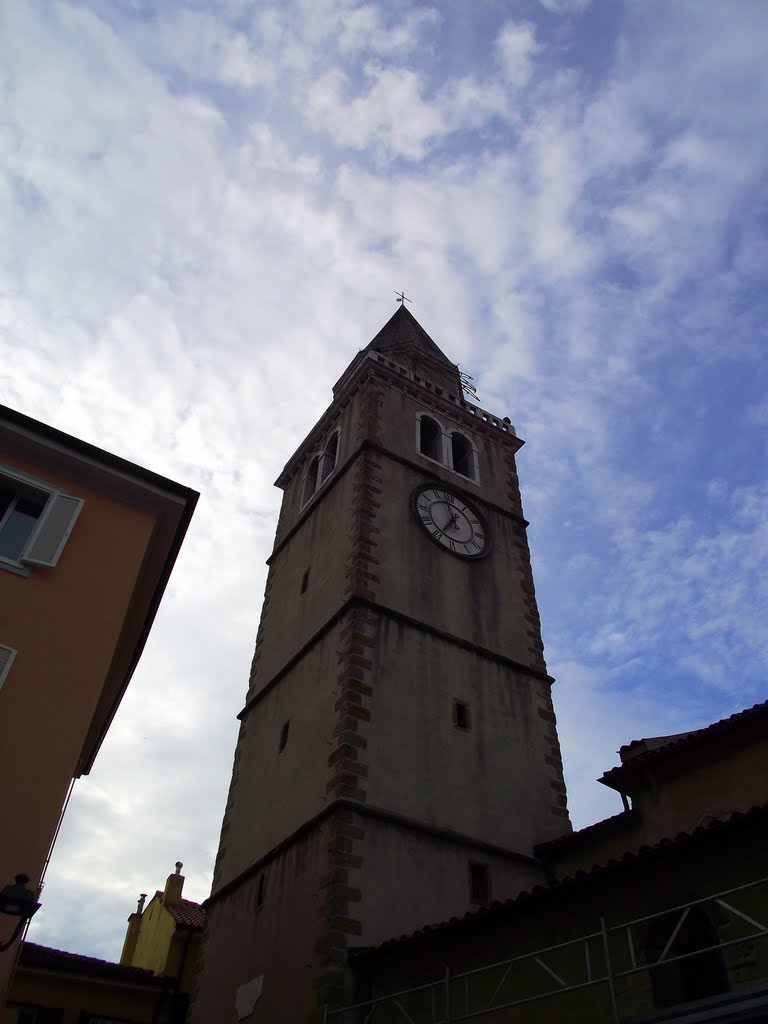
(420, 734)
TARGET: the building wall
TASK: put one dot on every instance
(75, 994)
(491, 782)
(677, 793)
(154, 937)
(281, 939)
(64, 622)
(273, 792)
(424, 878)
(619, 897)
(320, 545)
(724, 774)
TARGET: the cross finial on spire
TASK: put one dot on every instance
(402, 298)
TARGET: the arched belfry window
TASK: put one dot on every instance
(462, 455)
(310, 480)
(430, 438)
(328, 461)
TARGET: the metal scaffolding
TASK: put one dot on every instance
(605, 958)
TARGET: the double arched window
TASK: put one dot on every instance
(450, 448)
(320, 467)
(462, 455)
(431, 438)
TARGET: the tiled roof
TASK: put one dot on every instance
(684, 740)
(33, 955)
(187, 914)
(716, 829)
(613, 824)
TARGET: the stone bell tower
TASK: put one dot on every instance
(397, 758)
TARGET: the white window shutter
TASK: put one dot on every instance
(50, 535)
(7, 654)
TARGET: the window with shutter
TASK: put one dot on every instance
(35, 520)
(50, 535)
(7, 654)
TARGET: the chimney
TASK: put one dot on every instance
(132, 933)
(174, 885)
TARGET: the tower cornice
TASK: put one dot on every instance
(391, 613)
(366, 811)
(372, 363)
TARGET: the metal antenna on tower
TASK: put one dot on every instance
(466, 383)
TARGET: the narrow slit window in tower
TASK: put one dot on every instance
(479, 884)
(261, 891)
(284, 734)
(461, 717)
(305, 582)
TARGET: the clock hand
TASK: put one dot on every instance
(451, 524)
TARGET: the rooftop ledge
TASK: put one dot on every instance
(474, 410)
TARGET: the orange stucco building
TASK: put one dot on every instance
(87, 544)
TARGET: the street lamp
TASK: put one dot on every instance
(17, 900)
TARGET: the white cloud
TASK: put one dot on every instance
(207, 213)
(391, 116)
(517, 47)
(363, 29)
(566, 6)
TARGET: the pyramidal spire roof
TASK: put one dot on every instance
(403, 332)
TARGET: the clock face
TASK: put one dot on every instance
(450, 521)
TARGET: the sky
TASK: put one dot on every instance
(205, 212)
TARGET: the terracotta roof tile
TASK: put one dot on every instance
(607, 825)
(33, 955)
(187, 914)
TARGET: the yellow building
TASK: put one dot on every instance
(87, 544)
(165, 936)
(150, 985)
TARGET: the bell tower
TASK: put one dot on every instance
(397, 758)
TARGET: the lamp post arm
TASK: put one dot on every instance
(16, 933)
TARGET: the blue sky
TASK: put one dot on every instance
(206, 210)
